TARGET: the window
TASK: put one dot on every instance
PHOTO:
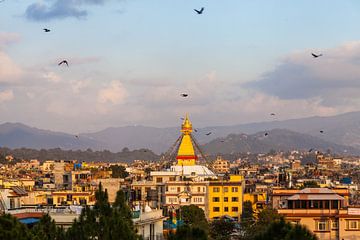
(234, 199)
(226, 209)
(178, 189)
(198, 199)
(234, 189)
(216, 209)
(335, 224)
(216, 199)
(226, 199)
(234, 209)
(226, 189)
(321, 225)
(199, 189)
(172, 179)
(353, 225)
(159, 180)
(216, 189)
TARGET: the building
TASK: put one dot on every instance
(221, 165)
(324, 212)
(225, 197)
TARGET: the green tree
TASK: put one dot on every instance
(311, 184)
(221, 229)
(194, 217)
(281, 230)
(11, 228)
(119, 171)
(185, 232)
(46, 229)
(103, 221)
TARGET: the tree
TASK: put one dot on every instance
(46, 229)
(194, 216)
(311, 184)
(11, 228)
(103, 221)
(186, 232)
(281, 230)
(221, 229)
(119, 171)
(247, 219)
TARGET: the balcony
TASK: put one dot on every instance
(311, 212)
(147, 217)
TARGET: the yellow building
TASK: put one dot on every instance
(225, 197)
(258, 200)
(70, 197)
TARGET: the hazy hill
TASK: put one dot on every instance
(277, 139)
(342, 129)
(17, 135)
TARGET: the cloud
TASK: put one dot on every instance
(9, 71)
(59, 9)
(7, 38)
(52, 77)
(114, 94)
(333, 78)
(6, 95)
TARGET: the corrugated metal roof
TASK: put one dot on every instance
(19, 190)
(306, 196)
(317, 191)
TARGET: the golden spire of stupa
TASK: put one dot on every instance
(186, 153)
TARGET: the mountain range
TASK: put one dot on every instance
(340, 133)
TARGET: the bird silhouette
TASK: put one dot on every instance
(207, 134)
(63, 62)
(195, 130)
(272, 114)
(310, 150)
(316, 55)
(184, 94)
(222, 141)
(77, 136)
(46, 30)
(266, 134)
(321, 131)
(182, 119)
(199, 11)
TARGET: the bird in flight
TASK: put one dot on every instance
(63, 62)
(182, 119)
(207, 134)
(195, 129)
(266, 134)
(77, 136)
(272, 114)
(199, 11)
(310, 150)
(316, 55)
(321, 131)
(46, 30)
(222, 140)
(184, 94)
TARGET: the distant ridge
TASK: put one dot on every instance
(277, 139)
(341, 130)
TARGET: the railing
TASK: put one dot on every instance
(309, 211)
(43, 210)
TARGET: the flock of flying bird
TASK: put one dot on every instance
(184, 95)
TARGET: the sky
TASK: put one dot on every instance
(129, 61)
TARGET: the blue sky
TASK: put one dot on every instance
(131, 59)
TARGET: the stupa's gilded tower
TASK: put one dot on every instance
(186, 154)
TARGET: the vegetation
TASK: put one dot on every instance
(222, 229)
(89, 155)
(311, 184)
(103, 221)
(118, 171)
